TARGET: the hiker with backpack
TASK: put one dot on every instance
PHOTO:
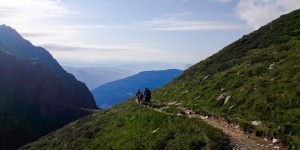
(147, 94)
(139, 96)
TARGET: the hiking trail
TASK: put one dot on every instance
(239, 139)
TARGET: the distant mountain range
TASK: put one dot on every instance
(115, 92)
(96, 76)
(37, 95)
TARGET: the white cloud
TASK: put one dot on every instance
(37, 17)
(259, 12)
(30, 10)
(172, 24)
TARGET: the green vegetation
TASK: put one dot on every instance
(130, 126)
(259, 75)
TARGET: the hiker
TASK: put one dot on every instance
(141, 97)
(147, 94)
(138, 95)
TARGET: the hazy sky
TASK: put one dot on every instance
(157, 33)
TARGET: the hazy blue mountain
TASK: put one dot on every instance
(117, 91)
(37, 95)
(96, 76)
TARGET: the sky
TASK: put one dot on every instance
(138, 34)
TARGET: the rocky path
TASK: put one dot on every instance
(239, 139)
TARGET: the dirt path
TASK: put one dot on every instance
(239, 139)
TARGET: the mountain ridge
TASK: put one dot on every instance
(36, 95)
(114, 92)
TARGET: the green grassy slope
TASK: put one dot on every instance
(130, 126)
(259, 74)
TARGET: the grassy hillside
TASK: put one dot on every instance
(130, 126)
(259, 75)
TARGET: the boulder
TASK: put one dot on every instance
(274, 141)
(222, 96)
(206, 77)
(155, 130)
(271, 66)
(204, 117)
(227, 99)
(231, 107)
(256, 123)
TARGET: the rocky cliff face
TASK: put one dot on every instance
(36, 95)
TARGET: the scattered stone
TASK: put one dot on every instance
(227, 99)
(276, 147)
(256, 123)
(197, 97)
(204, 117)
(185, 92)
(271, 66)
(265, 139)
(206, 77)
(231, 107)
(178, 104)
(222, 96)
(222, 89)
(274, 141)
(189, 112)
(190, 116)
(171, 103)
(155, 130)
(179, 114)
(236, 127)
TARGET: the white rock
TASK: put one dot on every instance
(222, 96)
(197, 97)
(178, 104)
(271, 66)
(276, 147)
(265, 139)
(171, 103)
(206, 77)
(184, 92)
(155, 130)
(179, 114)
(204, 117)
(227, 99)
(275, 140)
(231, 107)
(256, 123)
